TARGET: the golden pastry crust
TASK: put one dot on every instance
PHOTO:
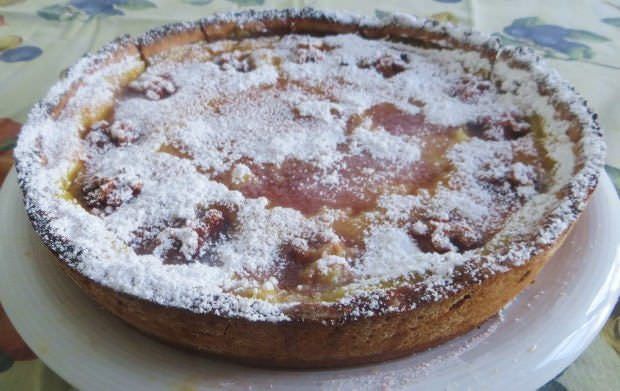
(310, 343)
(370, 327)
(172, 35)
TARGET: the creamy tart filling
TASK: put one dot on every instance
(295, 166)
(293, 170)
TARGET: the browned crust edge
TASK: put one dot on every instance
(171, 35)
(312, 344)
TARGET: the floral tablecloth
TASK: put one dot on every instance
(40, 38)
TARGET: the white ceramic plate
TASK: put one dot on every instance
(541, 333)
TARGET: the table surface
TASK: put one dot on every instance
(40, 38)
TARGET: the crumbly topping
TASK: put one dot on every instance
(247, 177)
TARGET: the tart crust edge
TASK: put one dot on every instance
(315, 344)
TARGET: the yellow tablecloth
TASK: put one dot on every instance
(40, 38)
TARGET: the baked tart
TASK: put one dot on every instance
(306, 189)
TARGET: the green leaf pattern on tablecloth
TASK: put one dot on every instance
(612, 21)
(59, 12)
(137, 4)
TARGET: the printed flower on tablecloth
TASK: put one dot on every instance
(91, 8)
(12, 50)
(554, 41)
(612, 21)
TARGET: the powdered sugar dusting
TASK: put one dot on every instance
(247, 177)
(382, 145)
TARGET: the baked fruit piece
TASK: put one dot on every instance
(303, 189)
